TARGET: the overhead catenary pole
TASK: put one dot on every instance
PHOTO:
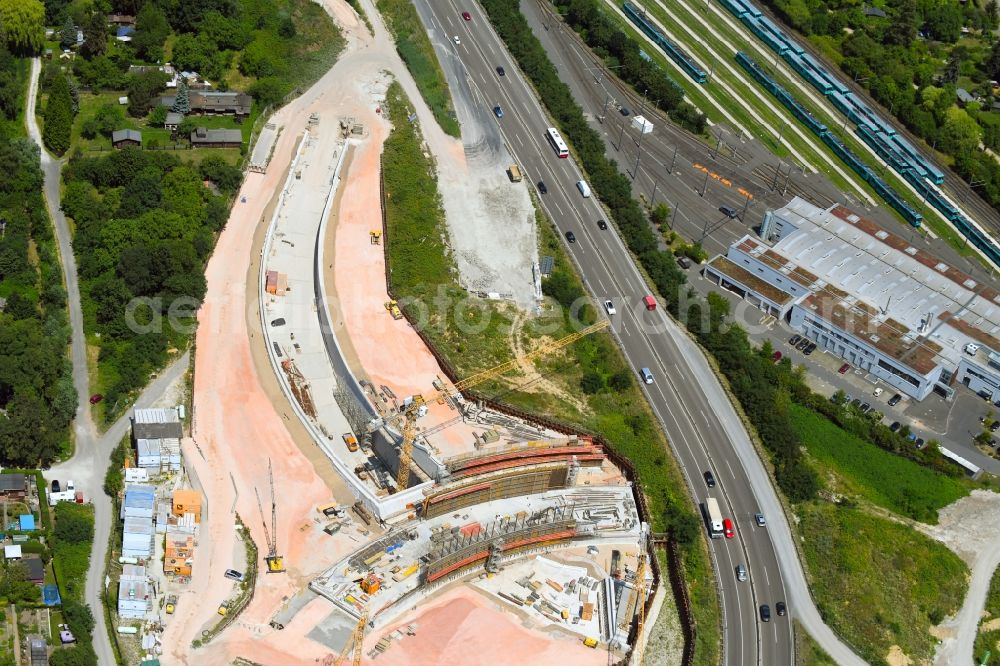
(673, 160)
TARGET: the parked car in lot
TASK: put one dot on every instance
(919, 443)
(912, 437)
(280, 321)
(794, 340)
(803, 343)
(809, 349)
(894, 400)
(233, 574)
(856, 403)
(684, 262)
(709, 479)
(879, 391)
(776, 356)
(995, 426)
(844, 368)
(865, 408)
(895, 426)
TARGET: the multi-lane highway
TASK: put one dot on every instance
(701, 424)
(609, 272)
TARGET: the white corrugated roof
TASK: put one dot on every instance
(156, 415)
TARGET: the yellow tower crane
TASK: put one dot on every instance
(409, 415)
(357, 642)
(640, 600)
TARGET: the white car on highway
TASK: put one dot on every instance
(456, 40)
(610, 307)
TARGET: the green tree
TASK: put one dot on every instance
(73, 523)
(143, 92)
(158, 116)
(74, 94)
(903, 29)
(151, 30)
(992, 65)
(660, 215)
(182, 101)
(58, 117)
(960, 134)
(67, 36)
(95, 36)
(23, 25)
(591, 382)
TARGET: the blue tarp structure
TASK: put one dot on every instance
(27, 522)
(50, 595)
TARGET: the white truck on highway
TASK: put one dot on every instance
(713, 517)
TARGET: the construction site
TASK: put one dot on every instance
(393, 512)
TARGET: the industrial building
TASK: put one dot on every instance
(156, 424)
(869, 296)
(137, 538)
(133, 592)
(138, 502)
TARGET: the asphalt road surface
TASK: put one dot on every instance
(700, 422)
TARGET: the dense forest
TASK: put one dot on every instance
(37, 398)
(145, 225)
(913, 56)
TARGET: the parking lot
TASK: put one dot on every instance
(953, 423)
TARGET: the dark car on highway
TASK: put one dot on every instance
(570, 236)
(602, 225)
(780, 608)
(709, 479)
(624, 111)
(542, 188)
(501, 71)
(765, 613)
(727, 211)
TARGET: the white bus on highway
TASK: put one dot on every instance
(713, 517)
(557, 142)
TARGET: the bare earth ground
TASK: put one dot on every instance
(241, 420)
(464, 627)
(971, 528)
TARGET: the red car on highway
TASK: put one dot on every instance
(727, 528)
(467, 16)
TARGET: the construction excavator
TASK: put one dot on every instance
(275, 563)
(408, 416)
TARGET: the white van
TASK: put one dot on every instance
(583, 187)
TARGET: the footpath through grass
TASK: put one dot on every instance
(414, 47)
(587, 383)
(877, 583)
(988, 638)
(864, 470)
